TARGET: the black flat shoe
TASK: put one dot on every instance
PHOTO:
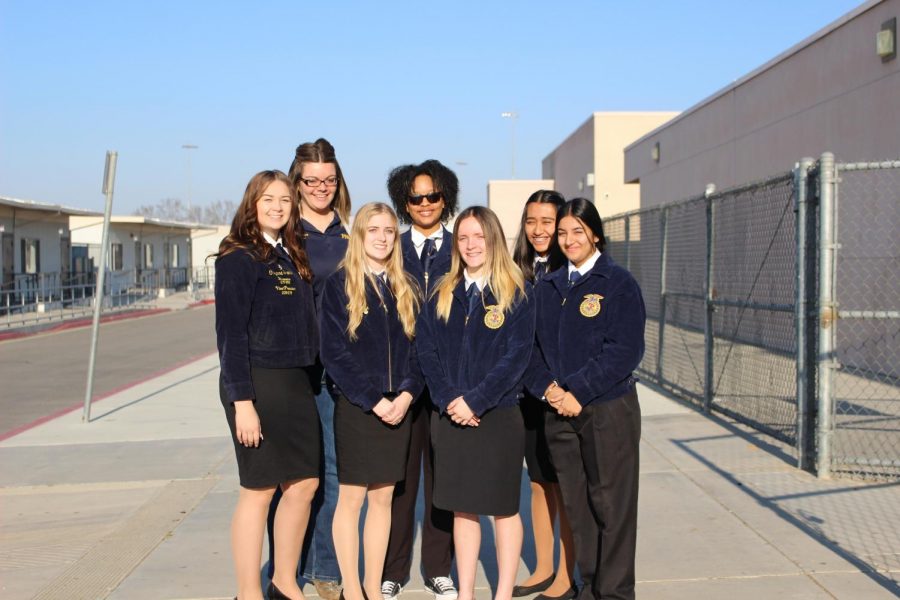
(571, 593)
(273, 593)
(527, 590)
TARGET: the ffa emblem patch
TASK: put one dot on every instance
(493, 317)
(590, 306)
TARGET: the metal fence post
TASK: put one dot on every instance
(664, 225)
(805, 383)
(827, 313)
(708, 346)
(627, 262)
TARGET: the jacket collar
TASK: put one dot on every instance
(560, 277)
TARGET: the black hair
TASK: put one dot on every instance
(523, 253)
(400, 182)
(585, 211)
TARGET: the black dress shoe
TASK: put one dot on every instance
(568, 595)
(273, 593)
(527, 590)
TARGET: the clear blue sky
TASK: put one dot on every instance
(387, 83)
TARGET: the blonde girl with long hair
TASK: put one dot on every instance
(368, 320)
(474, 340)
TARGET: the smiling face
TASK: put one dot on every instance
(381, 231)
(540, 226)
(576, 240)
(273, 209)
(318, 197)
(426, 217)
(472, 245)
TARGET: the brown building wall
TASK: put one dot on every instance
(830, 93)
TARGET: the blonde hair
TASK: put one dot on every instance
(403, 286)
(504, 278)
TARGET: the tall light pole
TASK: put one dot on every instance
(513, 116)
(189, 147)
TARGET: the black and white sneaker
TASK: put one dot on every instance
(442, 588)
(390, 590)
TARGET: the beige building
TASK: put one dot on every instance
(835, 91)
(590, 163)
(507, 197)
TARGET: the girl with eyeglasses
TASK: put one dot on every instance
(325, 212)
(474, 340)
(537, 254)
(589, 341)
(368, 320)
(425, 197)
(267, 337)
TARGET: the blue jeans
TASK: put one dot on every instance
(318, 559)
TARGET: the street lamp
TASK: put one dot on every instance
(513, 116)
(189, 147)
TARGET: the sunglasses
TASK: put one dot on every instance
(432, 198)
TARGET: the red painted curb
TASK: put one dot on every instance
(40, 421)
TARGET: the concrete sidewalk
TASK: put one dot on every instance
(136, 505)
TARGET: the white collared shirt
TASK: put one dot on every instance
(469, 281)
(274, 242)
(586, 265)
(418, 239)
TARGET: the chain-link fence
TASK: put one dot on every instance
(866, 366)
(737, 321)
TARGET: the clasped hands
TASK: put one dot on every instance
(460, 413)
(562, 401)
(393, 411)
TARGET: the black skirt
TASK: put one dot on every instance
(291, 448)
(537, 452)
(478, 470)
(369, 450)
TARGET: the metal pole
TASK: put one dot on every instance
(628, 242)
(805, 410)
(827, 312)
(109, 179)
(660, 339)
(708, 345)
(513, 116)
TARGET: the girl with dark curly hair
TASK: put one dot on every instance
(424, 196)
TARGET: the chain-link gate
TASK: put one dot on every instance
(865, 382)
(776, 303)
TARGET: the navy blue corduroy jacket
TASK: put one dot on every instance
(265, 317)
(381, 359)
(440, 264)
(325, 249)
(470, 359)
(589, 337)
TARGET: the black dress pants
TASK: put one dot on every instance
(437, 526)
(597, 462)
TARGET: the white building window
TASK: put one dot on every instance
(174, 256)
(148, 256)
(31, 256)
(115, 257)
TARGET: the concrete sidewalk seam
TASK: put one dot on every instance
(96, 574)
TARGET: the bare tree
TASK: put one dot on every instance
(219, 212)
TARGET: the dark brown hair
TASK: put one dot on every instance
(321, 151)
(245, 232)
(523, 253)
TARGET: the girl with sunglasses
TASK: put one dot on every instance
(425, 196)
(474, 340)
(536, 253)
(368, 320)
(589, 340)
(267, 336)
(325, 211)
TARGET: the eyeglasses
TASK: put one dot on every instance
(315, 182)
(432, 198)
